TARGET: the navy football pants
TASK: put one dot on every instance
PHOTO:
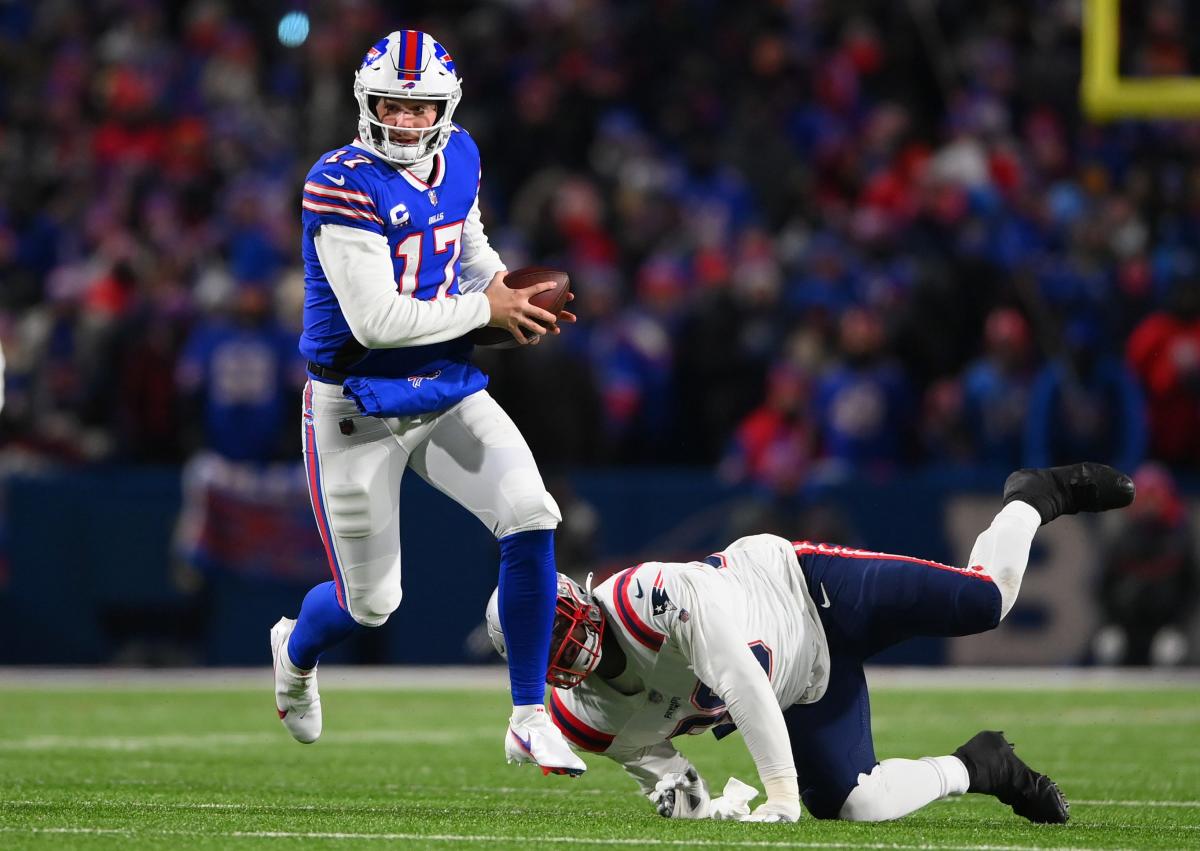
(874, 601)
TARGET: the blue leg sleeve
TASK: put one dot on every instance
(321, 625)
(528, 583)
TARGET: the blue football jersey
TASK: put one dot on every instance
(246, 376)
(423, 223)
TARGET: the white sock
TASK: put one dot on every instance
(525, 710)
(955, 780)
(1002, 550)
(897, 787)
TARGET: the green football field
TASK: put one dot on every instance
(167, 765)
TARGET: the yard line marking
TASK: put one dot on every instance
(401, 677)
(1184, 804)
(528, 840)
(1168, 716)
(503, 790)
(208, 740)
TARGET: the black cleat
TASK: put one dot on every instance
(1055, 491)
(994, 769)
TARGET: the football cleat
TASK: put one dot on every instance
(995, 769)
(537, 740)
(296, 697)
(1055, 491)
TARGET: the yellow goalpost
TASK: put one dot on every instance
(1106, 95)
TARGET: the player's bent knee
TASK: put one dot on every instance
(869, 800)
(823, 804)
(349, 510)
(978, 607)
(374, 607)
(527, 504)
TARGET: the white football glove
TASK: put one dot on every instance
(775, 811)
(734, 803)
(681, 796)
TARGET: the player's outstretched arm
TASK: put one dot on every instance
(721, 658)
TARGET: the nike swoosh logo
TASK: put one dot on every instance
(339, 179)
(640, 593)
(825, 604)
(525, 743)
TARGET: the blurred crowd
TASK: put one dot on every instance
(808, 239)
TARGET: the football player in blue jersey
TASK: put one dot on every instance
(397, 270)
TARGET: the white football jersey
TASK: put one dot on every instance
(692, 631)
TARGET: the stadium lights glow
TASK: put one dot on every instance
(293, 29)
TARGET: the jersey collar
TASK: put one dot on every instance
(428, 175)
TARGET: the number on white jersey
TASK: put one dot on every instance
(711, 704)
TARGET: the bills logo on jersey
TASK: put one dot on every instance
(417, 379)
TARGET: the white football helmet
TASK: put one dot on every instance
(576, 636)
(407, 65)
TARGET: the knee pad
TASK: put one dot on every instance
(526, 504)
(372, 607)
(349, 510)
(373, 590)
(867, 800)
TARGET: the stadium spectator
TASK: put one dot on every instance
(1148, 586)
(1085, 404)
(1164, 353)
(150, 149)
(239, 373)
(864, 405)
(996, 389)
(774, 446)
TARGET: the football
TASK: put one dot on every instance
(552, 300)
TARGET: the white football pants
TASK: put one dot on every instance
(472, 452)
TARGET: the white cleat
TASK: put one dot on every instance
(535, 739)
(296, 697)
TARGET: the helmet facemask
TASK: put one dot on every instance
(575, 643)
(377, 135)
(577, 634)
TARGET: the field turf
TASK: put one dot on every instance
(167, 766)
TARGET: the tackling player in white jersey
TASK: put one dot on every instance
(769, 637)
(397, 270)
